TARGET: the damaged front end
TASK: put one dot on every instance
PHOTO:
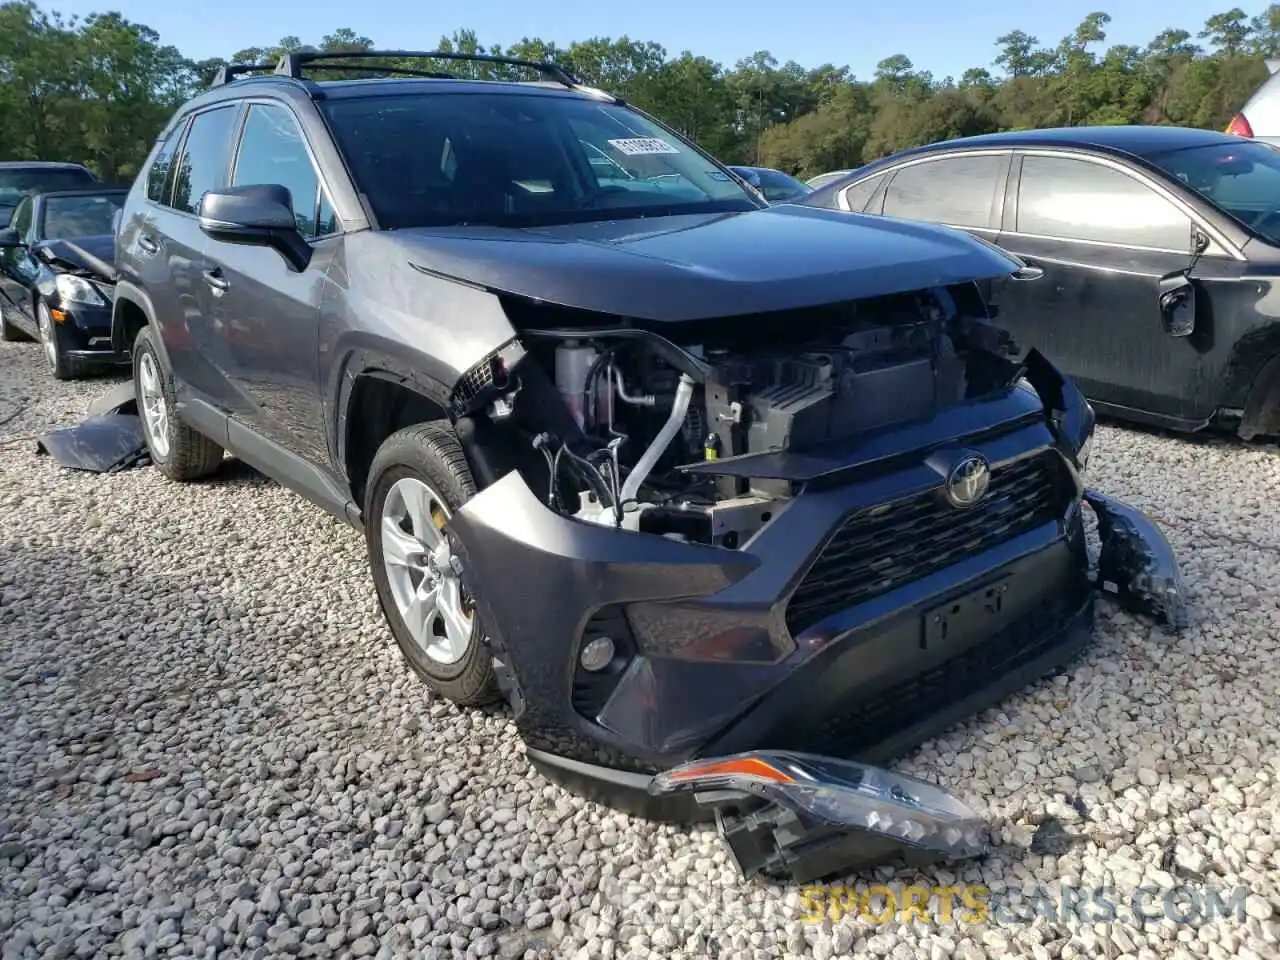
(1136, 563)
(802, 818)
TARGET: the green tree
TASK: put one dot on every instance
(98, 89)
(1228, 32)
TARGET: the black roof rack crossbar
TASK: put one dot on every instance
(369, 68)
(291, 64)
(230, 71)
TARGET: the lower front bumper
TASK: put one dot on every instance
(87, 330)
(630, 791)
(868, 683)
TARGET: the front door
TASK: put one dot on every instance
(1103, 238)
(266, 313)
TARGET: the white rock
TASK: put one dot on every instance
(204, 666)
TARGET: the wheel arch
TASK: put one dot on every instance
(378, 395)
(1261, 415)
(130, 312)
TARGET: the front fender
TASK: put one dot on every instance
(380, 361)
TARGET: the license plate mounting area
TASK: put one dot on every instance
(980, 609)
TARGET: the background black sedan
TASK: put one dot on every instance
(57, 276)
(1159, 249)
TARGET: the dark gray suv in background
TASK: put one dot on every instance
(679, 474)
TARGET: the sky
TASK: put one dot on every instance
(945, 37)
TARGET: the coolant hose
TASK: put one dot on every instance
(674, 423)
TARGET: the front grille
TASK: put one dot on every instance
(862, 722)
(885, 546)
(472, 383)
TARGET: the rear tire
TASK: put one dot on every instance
(178, 452)
(425, 462)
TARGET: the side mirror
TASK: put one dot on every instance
(258, 215)
(1177, 304)
(9, 238)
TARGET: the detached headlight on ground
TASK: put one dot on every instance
(802, 817)
(77, 290)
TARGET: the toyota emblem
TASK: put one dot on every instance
(968, 481)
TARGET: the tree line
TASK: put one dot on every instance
(96, 90)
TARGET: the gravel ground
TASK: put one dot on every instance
(209, 746)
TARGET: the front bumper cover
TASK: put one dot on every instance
(801, 818)
(1136, 562)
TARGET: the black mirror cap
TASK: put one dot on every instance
(257, 215)
(260, 207)
(9, 237)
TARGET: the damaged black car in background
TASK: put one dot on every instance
(728, 501)
(57, 276)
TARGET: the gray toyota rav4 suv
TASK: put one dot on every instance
(683, 477)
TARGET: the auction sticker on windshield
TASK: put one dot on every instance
(637, 146)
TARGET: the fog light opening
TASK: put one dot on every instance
(597, 654)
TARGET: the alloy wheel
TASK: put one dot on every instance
(155, 411)
(44, 320)
(420, 569)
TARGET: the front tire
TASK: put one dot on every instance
(179, 452)
(418, 479)
(53, 340)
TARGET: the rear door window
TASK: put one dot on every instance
(159, 183)
(958, 191)
(205, 155)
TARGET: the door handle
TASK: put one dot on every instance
(216, 281)
(147, 244)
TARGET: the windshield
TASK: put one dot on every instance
(88, 215)
(17, 183)
(443, 159)
(1241, 178)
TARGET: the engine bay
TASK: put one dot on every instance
(608, 414)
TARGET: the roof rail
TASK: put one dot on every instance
(292, 63)
(230, 71)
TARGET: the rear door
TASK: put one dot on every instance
(1103, 234)
(962, 190)
(170, 249)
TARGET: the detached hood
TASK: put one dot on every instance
(95, 255)
(698, 266)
